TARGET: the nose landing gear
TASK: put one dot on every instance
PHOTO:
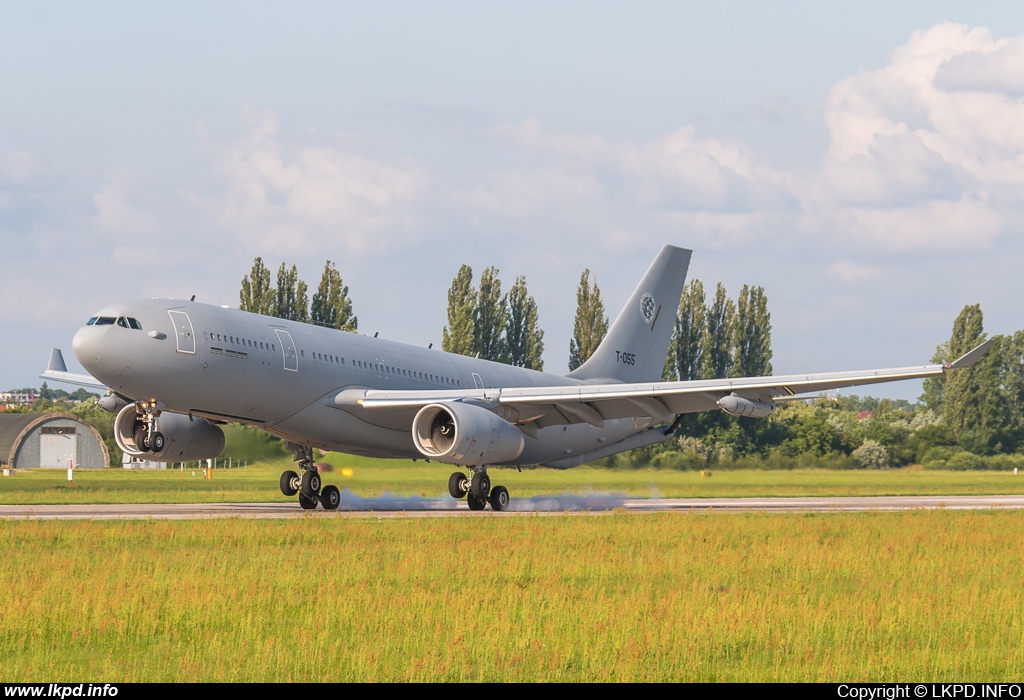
(308, 486)
(477, 490)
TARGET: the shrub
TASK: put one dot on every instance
(871, 455)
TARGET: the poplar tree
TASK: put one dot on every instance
(291, 301)
(717, 345)
(489, 317)
(458, 336)
(256, 295)
(752, 335)
(590, 325)
(686, 353)
(972, 400)
(331, 305)
(524, 341)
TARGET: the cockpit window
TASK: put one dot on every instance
(122, 321)
(105, 321)
(134, 324)
(91, 321)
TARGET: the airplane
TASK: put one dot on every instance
(174, 370)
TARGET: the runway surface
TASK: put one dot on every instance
(416, 506)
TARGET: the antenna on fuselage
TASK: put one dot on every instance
(193, 298)
(375, 334)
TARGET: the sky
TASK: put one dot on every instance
(863, 162)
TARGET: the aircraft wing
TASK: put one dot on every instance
(57, 371)
(540, 407)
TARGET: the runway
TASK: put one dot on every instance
(592, 504)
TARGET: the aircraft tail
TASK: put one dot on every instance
(635, 348)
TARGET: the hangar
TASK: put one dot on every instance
(49, 440)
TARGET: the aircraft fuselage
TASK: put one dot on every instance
(283, 376)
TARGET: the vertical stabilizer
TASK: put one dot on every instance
(635, 348)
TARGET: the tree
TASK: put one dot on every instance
(752, 335)
(331, 305)
(590, 326)
(256, 295)
(972, 401)
(290, 300)
(687, 349)
(524, 341)
(458, 336)
(717, 360)
(489, 317)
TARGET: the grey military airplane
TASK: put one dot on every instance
(176, 369)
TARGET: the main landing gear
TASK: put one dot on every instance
(477, 490)
(308, 486)
(144, 433)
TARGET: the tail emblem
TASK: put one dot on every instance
(647, 307)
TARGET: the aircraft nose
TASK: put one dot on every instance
(87, 346)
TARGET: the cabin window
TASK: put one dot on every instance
(206, 336)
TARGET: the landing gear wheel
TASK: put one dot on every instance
(480, 486)
(139, 437)
(457, 485)
(306, 502)
(499, 498)
(474, 502)
(290, 483)
(156, 442)
(330, 497)
(311, 483)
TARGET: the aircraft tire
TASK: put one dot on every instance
(456, 485)
(290, 483)
(480, 486)
(499, 498)
(330, 497)
(140, 438)
(474, 502)
(306, 502)
(311, 483)
(156, 442)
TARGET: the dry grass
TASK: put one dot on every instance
(869, 596)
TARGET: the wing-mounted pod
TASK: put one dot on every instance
(736, 405)
(185, 438)
(461, 433)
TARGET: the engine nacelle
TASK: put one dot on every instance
(185, 438)
(739, 406)
(460, 433)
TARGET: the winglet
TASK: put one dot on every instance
(968, 360)
(56, 361)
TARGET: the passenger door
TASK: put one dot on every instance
(183, 332)
(291, 358)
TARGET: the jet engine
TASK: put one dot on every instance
(185, 438)
(461, 433)
(741, 406)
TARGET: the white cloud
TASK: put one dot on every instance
(929, 150)
(850, 272)
(288, 197)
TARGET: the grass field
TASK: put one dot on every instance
(259, 483)
(928, 595)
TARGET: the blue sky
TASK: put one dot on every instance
(864, 162)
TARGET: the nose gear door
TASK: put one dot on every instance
(183, 332)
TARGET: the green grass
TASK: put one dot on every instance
(259, 483)
(927, 595)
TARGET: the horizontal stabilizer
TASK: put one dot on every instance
(57, 371)
(968, 360)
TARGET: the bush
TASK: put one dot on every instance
(871, 455)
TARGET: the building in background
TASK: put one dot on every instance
(50, 440)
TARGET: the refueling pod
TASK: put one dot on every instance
(736, 405)
(461, 433)
(185, 438)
